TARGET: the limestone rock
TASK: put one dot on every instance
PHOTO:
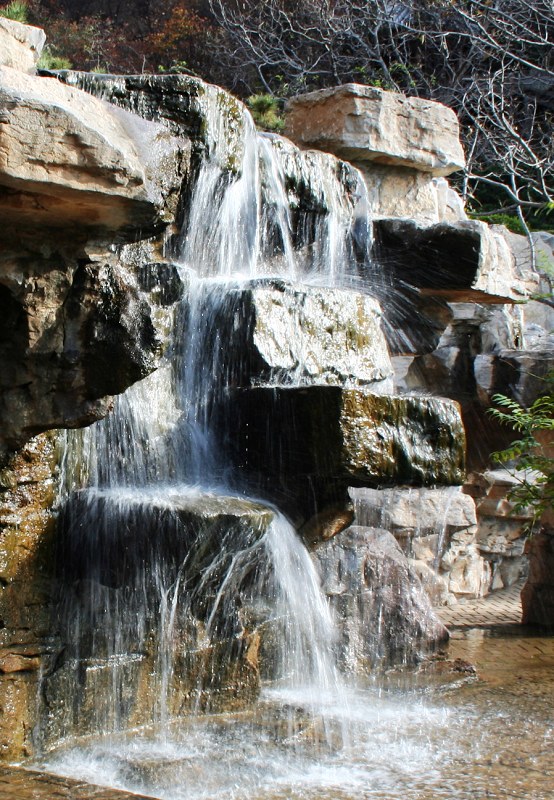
(66, 158)
(466, 261)
(363, 123)
(185, 105)
(501, 533)
(70, 337)
(435, 527)
(387, 615)
(300, 335)
(303, 446)
(20, 45)
(408, 193)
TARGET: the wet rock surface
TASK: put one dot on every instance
(537, 596)
(437, 530)
(279, 332)
(72, 335)
(463, 261)
(387, 615)
(304, 446)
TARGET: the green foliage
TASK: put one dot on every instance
(16, 10)
(267, 112)
(49, 60)
(527, 457)
(511, 221)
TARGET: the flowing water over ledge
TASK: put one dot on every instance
(437, 733)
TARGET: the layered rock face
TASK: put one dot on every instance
(77, 327)
(135, 206)
(460, 276)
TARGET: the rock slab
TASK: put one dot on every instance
(364, 123)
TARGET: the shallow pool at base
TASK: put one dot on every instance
(429, 735)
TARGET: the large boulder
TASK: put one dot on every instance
(290, 333)
(20, 45)
(68, 159)
(464, 261)
(302, 447)
(152, 577)
(436, 529)
(363, 123)
(71, 336)
(387, 617)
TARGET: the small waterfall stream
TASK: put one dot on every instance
(171, 576)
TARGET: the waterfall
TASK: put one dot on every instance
(169, 576)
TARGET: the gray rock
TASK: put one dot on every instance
(435, 527)
(71, 337)
(387, 616)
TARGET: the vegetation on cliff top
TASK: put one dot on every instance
(490, 60)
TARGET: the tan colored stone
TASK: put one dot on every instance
(401, 192)
(66, 157)
(363, 123)
(20, 45)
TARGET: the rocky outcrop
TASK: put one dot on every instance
(68, 160)
(296, 334)
(121, 556)
(437, 530)
(29, 642)
(501, 532)
(465, 261)
(71, 337)
(302, 447)
(387, 615)
(363, 123)
(20, 45)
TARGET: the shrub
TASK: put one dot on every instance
(527, 457)
(16, 10)
(266, 111)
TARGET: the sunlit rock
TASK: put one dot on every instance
(435, 526)
(20, 45)
(387, 617)
(364, 123)
(189, 107)
(277, 332)
(66, 158)
(303, 446)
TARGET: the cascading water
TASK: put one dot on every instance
(170, 578)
